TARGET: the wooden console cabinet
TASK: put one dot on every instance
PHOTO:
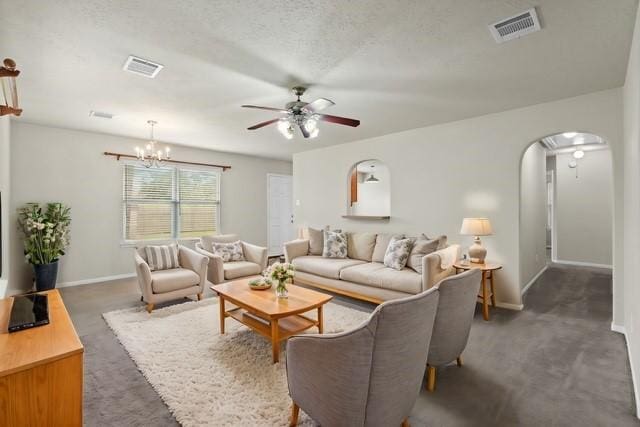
(41, 370)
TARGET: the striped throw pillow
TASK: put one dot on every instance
(162, 257)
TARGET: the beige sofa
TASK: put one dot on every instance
(255, 259)
(362, 274)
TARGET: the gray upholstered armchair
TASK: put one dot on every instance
(370, 375)
(456, 308)
(255, 259)
(164, 285)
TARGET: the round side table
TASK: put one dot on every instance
(488, 269)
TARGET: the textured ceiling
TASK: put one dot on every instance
(395, 65)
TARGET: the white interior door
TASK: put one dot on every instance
(280, 212)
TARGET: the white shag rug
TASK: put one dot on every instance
(210, 379)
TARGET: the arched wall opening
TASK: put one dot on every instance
(566, 204)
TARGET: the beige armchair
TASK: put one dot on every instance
(164, 285)
(255, 259)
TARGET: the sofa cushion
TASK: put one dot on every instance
(316, 241)
(325, 267)
(163, 281)
(233, 270)
(360, 245)
(421, 247)
(335, 244)
(397, 253)
(207, 241)
(376, 274)
(382, 242)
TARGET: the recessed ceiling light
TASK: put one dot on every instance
(569, 134)
(100, 114)
(578, 154)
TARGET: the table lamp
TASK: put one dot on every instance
(476, 227)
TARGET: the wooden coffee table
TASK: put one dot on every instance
(274, 318)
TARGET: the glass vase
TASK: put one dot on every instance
(281, 289)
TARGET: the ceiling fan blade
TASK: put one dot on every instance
(339, 120)
(280, 110)
(263, 124)
(304, 131)
(318, 104)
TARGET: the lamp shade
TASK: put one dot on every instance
(476, 227)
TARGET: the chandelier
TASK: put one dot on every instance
(150, 155)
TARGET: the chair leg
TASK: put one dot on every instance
(431, 378)
(149, 308)
(459, 360)
(405, 422)
(295, 410)
(200, 296)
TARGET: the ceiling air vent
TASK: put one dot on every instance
(515, 26)
(100, 114)
(143, 67)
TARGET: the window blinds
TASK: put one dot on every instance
(169, 202)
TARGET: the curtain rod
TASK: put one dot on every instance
(130, 156)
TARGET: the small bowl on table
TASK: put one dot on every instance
(260, 284)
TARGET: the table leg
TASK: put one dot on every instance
(485, 298)
(222, 313)
(493, 292)
(275, 343)
(320, 320)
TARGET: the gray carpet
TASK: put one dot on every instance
(555, 363)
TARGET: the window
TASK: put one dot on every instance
(169, 202)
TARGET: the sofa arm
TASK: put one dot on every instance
(195, 262)
(295, 248)
(255, 254)
(215, 270)
(143, 273)
(439, 265)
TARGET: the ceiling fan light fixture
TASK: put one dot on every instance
(311, 125)
(314, 133)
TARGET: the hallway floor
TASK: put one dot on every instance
(555, 363)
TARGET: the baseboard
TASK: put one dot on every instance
(622, 330)
(532, 281)
(618, 328)
(509, 306)
(582, 264)
(95, 280)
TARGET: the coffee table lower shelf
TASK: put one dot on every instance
(287, 326)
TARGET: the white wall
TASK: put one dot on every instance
(52, 164)
(583, 209)
(533, 213)
(4, 191)
(630, 295)
(443, 173)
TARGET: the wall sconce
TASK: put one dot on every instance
(8, 74)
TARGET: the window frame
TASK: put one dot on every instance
(175, 204)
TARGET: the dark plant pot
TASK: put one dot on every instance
(46, 275)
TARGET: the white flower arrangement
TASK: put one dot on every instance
(46, 231)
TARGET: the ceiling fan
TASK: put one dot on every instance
(303, 115)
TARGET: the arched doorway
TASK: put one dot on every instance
(566, 204)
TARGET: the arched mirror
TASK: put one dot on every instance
(369, 190)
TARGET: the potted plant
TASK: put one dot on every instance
(46, 236)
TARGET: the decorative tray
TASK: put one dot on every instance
(260, 284)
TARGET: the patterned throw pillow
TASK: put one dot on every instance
(162, 257)
(397, 253)
(229, 252)
(335, 244)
